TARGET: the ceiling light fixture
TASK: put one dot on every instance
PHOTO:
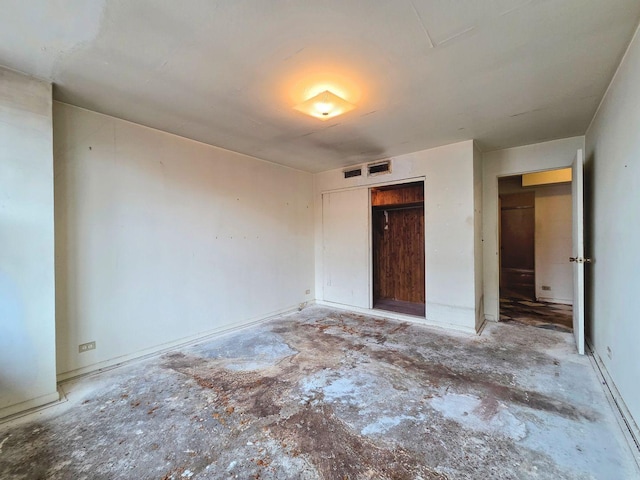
(325, 105)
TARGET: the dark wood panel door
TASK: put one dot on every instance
(398, 254)
(517, 249)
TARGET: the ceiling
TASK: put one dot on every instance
(422, 73)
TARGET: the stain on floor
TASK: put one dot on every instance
(550, 316)
(323, 394)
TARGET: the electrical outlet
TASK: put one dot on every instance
(546, 287)
(307, 292)
(85, 347)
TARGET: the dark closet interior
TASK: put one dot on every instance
(398, 248)
(517, 248)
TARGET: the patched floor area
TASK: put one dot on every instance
(323, 394)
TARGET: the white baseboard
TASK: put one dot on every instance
(10, 412)
(397, 316)
(183, 342)
(623, 415)
(560, 301)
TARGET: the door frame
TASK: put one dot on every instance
(424, 237)
(496, 260)
(370, 220)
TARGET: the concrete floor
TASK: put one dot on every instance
(323, 394)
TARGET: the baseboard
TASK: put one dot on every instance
(165, 347)
(397, 316)
(559, 301)
(482, 327)
(23, 408)
(623, 415)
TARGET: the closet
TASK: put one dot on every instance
(398, 253)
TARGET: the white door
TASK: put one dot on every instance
(577, 193)
(345, 232)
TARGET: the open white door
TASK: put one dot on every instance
(577, 193)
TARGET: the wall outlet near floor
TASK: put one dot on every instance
(307, 291)
(546, 287)
(85, 347)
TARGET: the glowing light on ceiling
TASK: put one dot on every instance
(325, 105)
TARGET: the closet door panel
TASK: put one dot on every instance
(345, 228)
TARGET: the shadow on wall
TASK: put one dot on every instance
(589, 221)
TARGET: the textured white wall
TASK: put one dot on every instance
(613, 220)
(448, 173)
(27, 310)
(512, 161)
(161, 239)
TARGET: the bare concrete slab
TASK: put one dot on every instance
(324, 394)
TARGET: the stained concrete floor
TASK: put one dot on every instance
(323, 394)
(551, 316)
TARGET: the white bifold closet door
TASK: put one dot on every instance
(345, 235)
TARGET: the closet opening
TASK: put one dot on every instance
(397, 222)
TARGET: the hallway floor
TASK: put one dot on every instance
(323, 394)
(550, 316)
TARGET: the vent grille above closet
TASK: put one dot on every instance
(356, 172)
(379, 168)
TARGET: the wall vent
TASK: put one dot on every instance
(379, 168)
(355, 172)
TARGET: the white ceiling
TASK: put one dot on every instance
(424, 72)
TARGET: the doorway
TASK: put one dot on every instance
(535, 245)
(397, 223)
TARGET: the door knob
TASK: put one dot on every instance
(579, 260)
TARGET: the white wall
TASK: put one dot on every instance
(449, 227)
(161, 239)
(553, 238)
(553, 243)
(513, 161)
(27, 321)
(613, 220)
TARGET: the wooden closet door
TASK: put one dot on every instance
(398, 254)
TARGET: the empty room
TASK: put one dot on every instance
(319, 239)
